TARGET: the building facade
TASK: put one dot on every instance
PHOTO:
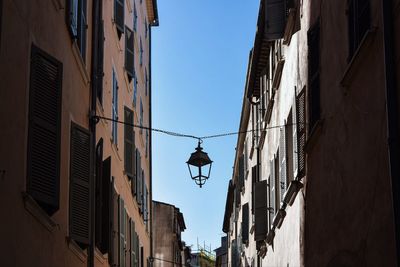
(221, 253)
(315, 114)
(80, 194)
(168, 225)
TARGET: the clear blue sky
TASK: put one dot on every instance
(200, 55)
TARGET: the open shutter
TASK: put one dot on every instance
(43, 159)
(245, 223)
(133, 244)
(129, 53)
(272, 206)
(119, 14)
(99, 193)
(103, 213)
(72, 17)
(139, 182)
(129, 147)
(275, 19)
(114, 259)
(122, 230)
(253, 183)
(79, 185)
(294, 138)
(82, 28)
(261, 210)
(137, 243)
(128, 242)
(301, 133)
(135, 172)
(241, 172)
(100, 58)
(282, 163)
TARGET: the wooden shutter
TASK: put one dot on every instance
(241, 172)
(114, 259)
(133, 244)
(43, 159)
(313, 74)
(134, 182)
(301, 132)
(129, 53)
(275, 19)
(141, 256)
(99, 193)
(122, 232)
(137, 243)
(79, 209)
(105, 210)
(129, 146)
(82, 28)
(72, 17)
(245, 223)
(294, 142)
(128, 242)
(139, 182)
(261, 210)
(119, 14)
(253, 183)
(282, 163)
(100, 58)
(272, 188)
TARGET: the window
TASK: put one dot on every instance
(100, 67)
(359, 22)
(129, 53)
(119, 13)
(290, 148)
(141, 53)
(134, 16)
(77, 23)
(141, 116)
(313, 74)
(129, 146)
(275, 19)
(79, 185)
(261, 210)
(44, 132)
(114, 108)
(283, 162)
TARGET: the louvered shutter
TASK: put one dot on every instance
(72, 17)
(245, 223)
(272, 180)
(106, 208)
(100, 57)
(122, 234)
(301, 132)
(129, 53)
(99, 193)
(119, 14)
(128, 241)
(241, 172)
(261, 210)
(294, 142)
(79, 202)
(82, 28)
(313, 74)
(114, 259)
(137, 243)
(133, 244)
(129, 146)
(275, 19)
(282, 163)
(253, 183)
(144, 200)
(139, 182)
(134, 182)
(43, 159)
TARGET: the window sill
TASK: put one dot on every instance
(117, 38)
(36, 211)
(81, 64)
(76, 249)
(357, 58)
(287, 37)
(279, 217)
(313, 137)
(101, 258)
(115, 148)
(127, 82)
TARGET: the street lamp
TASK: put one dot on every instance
(197, 160)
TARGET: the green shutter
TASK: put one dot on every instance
(129, 143)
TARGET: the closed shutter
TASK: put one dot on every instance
(275, 19)
(119, 19)
(100, 57)
(129, 146)
(82, 28)
(114, 259)
(261, 210)
(141, 257)
(313, 74)
(245, 223)
(133, 244)
(105, 209)
(72, 17)
(253, 183)
(43, 159)
(122, 232)
(241, 172)
(129, 53)
(79, 185)
(301, 133)
(283, 163)
(99, 193)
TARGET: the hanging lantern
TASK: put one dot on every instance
(196, 162)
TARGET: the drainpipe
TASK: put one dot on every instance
(392, 113)
(92, 128)
(150, 155)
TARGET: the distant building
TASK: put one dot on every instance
(221, 253)
(168, 224)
